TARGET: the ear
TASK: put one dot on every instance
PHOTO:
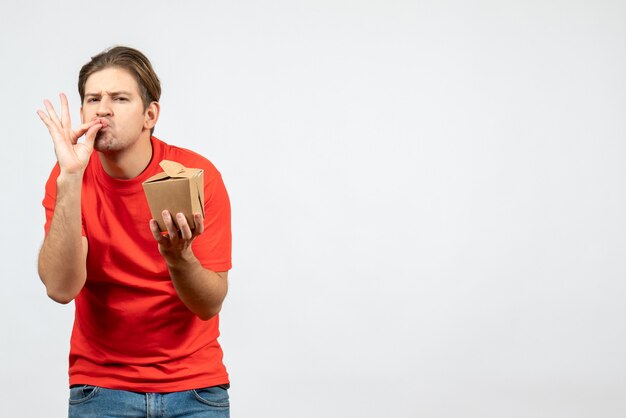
(151, 115)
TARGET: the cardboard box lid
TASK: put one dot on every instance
(172, 169)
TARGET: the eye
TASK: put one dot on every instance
(121, 99)
(92, 100)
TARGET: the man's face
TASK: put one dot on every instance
(113, 94)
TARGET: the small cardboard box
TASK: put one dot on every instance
(177, 189)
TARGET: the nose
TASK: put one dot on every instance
(104, 107)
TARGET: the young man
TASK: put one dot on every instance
(144, 341)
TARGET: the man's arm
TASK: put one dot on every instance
(63, 255)
(202, 290)
(62, 259)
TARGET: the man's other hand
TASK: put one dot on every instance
(176, 244)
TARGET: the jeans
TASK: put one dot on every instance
(97, 402)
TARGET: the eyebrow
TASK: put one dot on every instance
(110, 93)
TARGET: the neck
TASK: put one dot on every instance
(129, 163)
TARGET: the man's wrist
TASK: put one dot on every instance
(180, 261)
(69, 179)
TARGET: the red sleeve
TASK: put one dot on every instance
(213, 246)
(50, 198)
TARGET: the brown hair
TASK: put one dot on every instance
(132, 61)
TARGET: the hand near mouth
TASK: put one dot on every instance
(73, 156)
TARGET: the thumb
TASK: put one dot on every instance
(90, 136)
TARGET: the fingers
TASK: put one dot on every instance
(185, 230)
(52, 114)
(45, 119)
(198, 219)
(90, 137)
(54, 126)
(156, 232)
(169, 224)
(50, 117)
(176, 238)
(86, 126)
(65, 112)
(183, 226)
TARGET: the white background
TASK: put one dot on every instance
(428, 197)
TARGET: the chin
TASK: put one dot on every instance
(105, 147)
(101, 145)
(104, 143)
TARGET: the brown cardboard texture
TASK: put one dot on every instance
(176, 189)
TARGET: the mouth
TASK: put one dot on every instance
(104, 122)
